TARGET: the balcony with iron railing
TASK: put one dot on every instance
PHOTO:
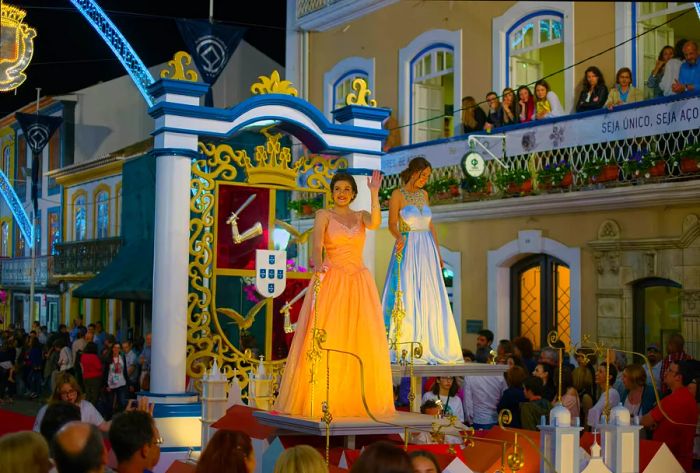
(84, 258)
(633, 155)
(16, 272)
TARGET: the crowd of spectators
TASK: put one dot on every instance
(676, 71)
(83, 365)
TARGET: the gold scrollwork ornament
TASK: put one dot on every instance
(361, 94)
(178, 68)
(273, 85)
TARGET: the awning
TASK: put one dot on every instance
(130, 274)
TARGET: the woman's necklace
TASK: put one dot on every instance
(415, 197)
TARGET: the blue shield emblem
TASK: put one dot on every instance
(271, 268)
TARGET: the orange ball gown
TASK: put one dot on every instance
(350, 312)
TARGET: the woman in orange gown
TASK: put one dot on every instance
(349, 310)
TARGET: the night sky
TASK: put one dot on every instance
(70, 55)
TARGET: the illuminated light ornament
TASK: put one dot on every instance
(697, 8)
(10, 197)
(118, 44)
(16, 47)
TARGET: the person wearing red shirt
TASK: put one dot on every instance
(677, 430)
(92, 372)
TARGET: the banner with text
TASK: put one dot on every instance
(656, 119)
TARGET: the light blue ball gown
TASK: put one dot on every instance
(428, 316)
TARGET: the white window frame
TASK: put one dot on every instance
(355, 65)
(626, 18)
(516, 14)
(432, 39)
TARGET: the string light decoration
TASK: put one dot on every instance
(118, 44)
(16, 47)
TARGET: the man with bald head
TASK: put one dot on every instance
(78, 448)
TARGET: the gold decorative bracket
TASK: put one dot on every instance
(177, 68)
(361, 94)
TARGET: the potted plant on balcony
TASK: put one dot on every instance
(476, 186)
(687, 159)
(305, 207)
(514, 181)
(557, 174)
(644, 164)
(443, 189)
(599, 169)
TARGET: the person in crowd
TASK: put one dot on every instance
(514, 395)
(675, 350)
(481, 396)
(43, 335)
(227, 450)
(594, 92)
(673, 68)
(509, 110)
(35, 367)
(100, 336)
(680, 406)
(493, 117)
(638, 396)
(504, 350)
(484, 340)
(431, 408)
(605, 385)
(116, 379)
(383, 457)
(545, 372)
(473, 117)
(526, 105)
(136, 442)
(623, 91)
(75, 329)
(445, 391)
(547, 104)
(424, 461)
(68, 390)
(300, 459)
(79, 343)
(549, 356)
(65, 357)
(515, 360)
(522, 347)
(569, 395)
(91, 367)
(620, 360)
(51, 364)
(468, 356)
(427, 316)
(654, 357)
(536, 406)
(24, 452)
(145, 364)
(347, 307)
(132, 369)
(77, 448)
(7, 370)
(57, 415)
(689, 73)
(583, 384)
(587, 357)
(657, 74)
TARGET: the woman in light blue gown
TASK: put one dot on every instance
(427, 316)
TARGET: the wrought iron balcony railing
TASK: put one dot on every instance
(85, 257)
(16, 272)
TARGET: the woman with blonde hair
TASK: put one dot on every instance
(473, 117)
(301, 459)
(67, 389)
(638, 396)
(24, 452)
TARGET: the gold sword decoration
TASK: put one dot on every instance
(252, 232)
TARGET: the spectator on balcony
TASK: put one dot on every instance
(673, 68)
(657, 74)
(526, 104)
(623, 91)
(493, 119)
(508, 110)
(594, 92)
(547, 104)
(473, 117)
(689, 74)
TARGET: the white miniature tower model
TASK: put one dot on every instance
(559, 442)
(596, 463)
(260, 393)
(620, 441)
(234, 392)
(213, 401)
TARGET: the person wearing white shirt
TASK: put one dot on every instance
(672, 69)
(445, 391)
(481, 397)
(613, 397)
